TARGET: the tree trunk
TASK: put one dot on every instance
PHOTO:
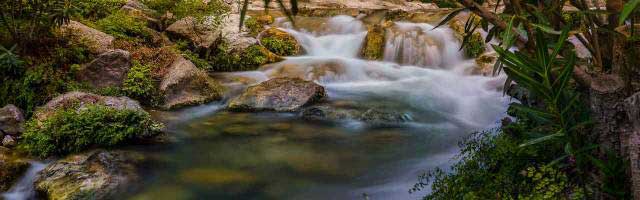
(632, 143)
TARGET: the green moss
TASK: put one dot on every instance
(250, 59)
(373, 48)
(257, 24)
(74, 130)
(124, 26)
(280, 42)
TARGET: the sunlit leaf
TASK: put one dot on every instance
(627, 10)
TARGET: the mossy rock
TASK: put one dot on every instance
(11, 168)
(475, 45)
(256, 24)
(280, 42)
(247, 59)
(373, 48)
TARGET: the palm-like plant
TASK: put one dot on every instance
(546, 75)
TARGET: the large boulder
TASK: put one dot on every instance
(72, 99)
(280, 42)
(201, 34)
(11, 168)
(279, 94)
(108, 70)
(237, 39)
(184, 85)
(97, 174)
(11, 120)
(96, 41)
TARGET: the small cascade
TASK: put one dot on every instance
(341, 36)
(421, 45)
(23, 189)
(422, 68)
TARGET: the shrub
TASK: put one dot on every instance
(214, 11)
(98, 9)
(475, 46)
(280, 42)
(77, 129)
(123, 26)
(138, 83)
(491, 165)
(250, 59)
(30, 23)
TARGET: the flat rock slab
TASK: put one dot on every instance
(280, 95)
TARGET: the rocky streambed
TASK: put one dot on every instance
(359, 107)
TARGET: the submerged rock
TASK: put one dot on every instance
(108, 70)
(368, 115)
(96, 41)
(11, 169)
(373, 48)
(97, 174)
(279, 94)
(184, 85)
(11, 120)
(280, 42)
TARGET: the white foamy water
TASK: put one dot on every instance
(422, 68)
(23, 189)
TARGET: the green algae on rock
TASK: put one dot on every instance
(280, 42)
(374, 43)
(11, 168)
(98, 174)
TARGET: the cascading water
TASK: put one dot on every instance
(422, 68)
(423, 76)
(23, 189)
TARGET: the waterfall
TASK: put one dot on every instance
(421, 45)
(422, 68)
(23, 189)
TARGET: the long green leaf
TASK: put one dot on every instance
(540, 114)
(542, 139)
(243, 13)
(449, 17)
(627, 10)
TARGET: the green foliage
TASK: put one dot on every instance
(250, 59)
(98, 9)
(29, 22)
(124, 26)
(279, 46)
(10, 64)
(214, 11)
(442, 3)
(490, 165)
(77, 129)
(550, 183)
(138, 83)
(475, 45)
(34, 87)
(253, 26)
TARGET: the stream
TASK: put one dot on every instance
(222, 155)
